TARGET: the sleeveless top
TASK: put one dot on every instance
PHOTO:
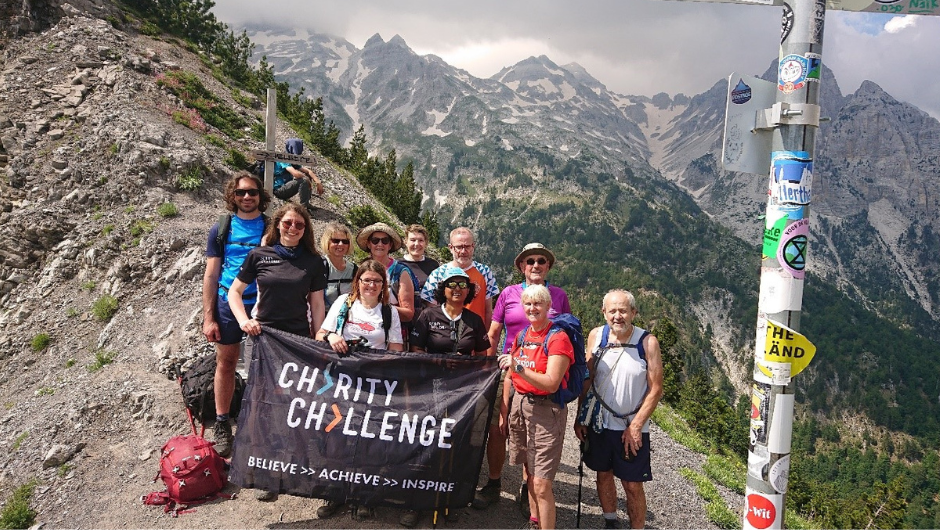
(620, 379)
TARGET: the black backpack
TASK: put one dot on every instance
(198, 387)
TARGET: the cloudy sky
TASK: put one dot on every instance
(635, 47)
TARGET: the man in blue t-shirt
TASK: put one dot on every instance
(246, 198)
(292, 180)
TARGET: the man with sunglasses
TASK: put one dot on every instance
(229, 242)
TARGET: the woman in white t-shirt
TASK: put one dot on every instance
(359, 314)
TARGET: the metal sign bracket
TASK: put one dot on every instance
(782, 113)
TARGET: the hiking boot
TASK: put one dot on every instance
(329, 509)
(409, 518)
(486, 495)
(363, 512)
(266, 496)
(522, 499)
(222, 435)
(611, 523)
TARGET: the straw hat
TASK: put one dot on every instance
(363, 238)
(534, 249)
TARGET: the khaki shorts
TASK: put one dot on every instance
(497, 404)
(536, 435)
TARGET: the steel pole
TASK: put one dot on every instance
(780, 351)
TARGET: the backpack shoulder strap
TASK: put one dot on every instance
(605, 336)
(341, 317)
(520, 337)
(225, 227)
(386, 321)
(639, 345)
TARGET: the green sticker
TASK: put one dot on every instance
(772, 237)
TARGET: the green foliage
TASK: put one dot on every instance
(19, 441)
(113, 150)
(365, 215)
(236, 160)
(45, 391)
(104, 307)
(190, 180)
(141, 227)
(17, 512)
(201, 104)
(215, 140)
(102, 359)
(40, 342)
(715, 507)
(711, 415)
(88, 285)
(676, 427)
(167, 209)
(673, 366)
(729, 472)
(72, 312)
(64, 470)
(106, 230)
(70, 363)
(164, 163)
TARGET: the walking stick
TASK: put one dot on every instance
(580, 483)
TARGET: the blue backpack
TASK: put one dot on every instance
(573, 382)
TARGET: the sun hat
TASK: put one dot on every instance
(363, 238)
(536, 249)
(450, 271)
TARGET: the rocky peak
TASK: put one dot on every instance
(374, 41)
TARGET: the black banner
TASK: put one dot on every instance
(373, 428)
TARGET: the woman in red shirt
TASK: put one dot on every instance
(536, 427)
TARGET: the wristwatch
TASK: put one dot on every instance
(519, 368)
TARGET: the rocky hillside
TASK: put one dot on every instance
(100, 281)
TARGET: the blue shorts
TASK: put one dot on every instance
(229, 330)
(605, 453)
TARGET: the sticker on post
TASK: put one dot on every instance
(741, 93)
(779, 291)
(783, 345)
(762, 510)
(792, 177)
(758, 460)
(776, 373)
(791, 75)
(773, 229)
(791, 251)
(786, 24)
(760, 405)
(780, 435)
(815, 67)
(779, 474)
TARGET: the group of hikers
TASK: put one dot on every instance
(270, 273)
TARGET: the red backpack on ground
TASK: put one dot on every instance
(193, 472)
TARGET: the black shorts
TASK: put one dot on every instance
(605, 453)
(229, 330)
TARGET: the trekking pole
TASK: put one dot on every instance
(580, 483)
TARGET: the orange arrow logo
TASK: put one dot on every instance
(335, 422)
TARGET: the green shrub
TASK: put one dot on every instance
(715, 507)
(202, 102)
(191, 180)
(40, 342)
(17, 512)
(141, 227)
(104, 307)
(365, 215)
(727, 471)
(45, 391)
(64, 470)
(151, 29)
(215, 140)
(88, 285)
(167, 209)
(71, 312)
(102, 359)
(164, 163)
(70, 363)
(107, 229)
(19, 440)
(235, 159)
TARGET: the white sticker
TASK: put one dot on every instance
(779, 474)
(781, 424)
(757, 459)
(779, 291)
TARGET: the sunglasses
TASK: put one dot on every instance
(533, 261)
(456, 284)
(299, 225)
(380, 240)
(253, 192)
(339, 241)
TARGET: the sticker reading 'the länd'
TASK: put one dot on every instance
(783, 345)
(791, 251)
(792, 177)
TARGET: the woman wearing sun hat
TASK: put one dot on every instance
(534, 262)
(380, 240)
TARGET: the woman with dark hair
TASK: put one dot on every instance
(359, 314)
(363, 314)
(335, 245)
(291, 277)
(449, 327)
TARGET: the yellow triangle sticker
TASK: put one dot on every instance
(783, 345)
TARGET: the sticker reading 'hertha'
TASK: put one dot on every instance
(792, 175)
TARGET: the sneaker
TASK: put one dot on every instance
(329, 509)
(486, 495)
(364, 512)
(409, 518)
(534, 525)
(611, 523)
(222, 435)
(266, 496)
(522, 499)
